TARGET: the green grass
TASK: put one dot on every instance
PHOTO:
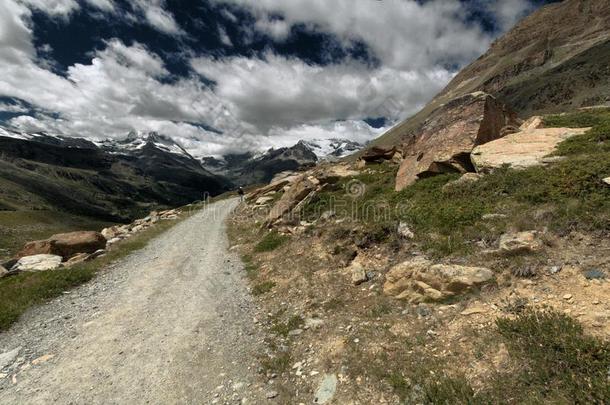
(596, 141)
(250, 267)
(22, 291)
(262, 288)
(19, 227)
(283, 328)
(552, 361)
(557, 362)
(270, 242)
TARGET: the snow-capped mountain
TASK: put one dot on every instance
(48, 139)
(327, 149)
(136, 141)
(251, 168)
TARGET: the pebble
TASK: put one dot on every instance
(271, 394)
(6, 359)
(567, 297)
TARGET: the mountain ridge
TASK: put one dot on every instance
(115, 180)
(522, 67)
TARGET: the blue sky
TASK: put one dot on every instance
(233, 75)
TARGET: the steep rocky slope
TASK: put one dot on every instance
(115, 180)
(557, 59)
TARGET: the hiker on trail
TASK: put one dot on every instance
(240, 191)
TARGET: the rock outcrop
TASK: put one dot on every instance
(65, 244)
(273, 187)
(418, 280)
(445, 140)
(379, 154)
(552, 61)
(523, 149)
(35, 263)
(300, 190)
(520, 242)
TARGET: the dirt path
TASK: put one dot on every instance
(172, 323)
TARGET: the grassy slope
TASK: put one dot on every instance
(564, 196)
(18, 227)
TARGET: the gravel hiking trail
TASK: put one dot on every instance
(170, 324)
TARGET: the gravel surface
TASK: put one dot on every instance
(171, 323)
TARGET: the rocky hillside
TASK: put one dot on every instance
(464, 257)
(483, 287)
(114, 180)
(250, 168)
(555, 60)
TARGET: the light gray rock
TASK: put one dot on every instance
(113, 241)
(326, 215)
(520, 242)
(467, 178)
(313, 323)
(607, 181)
(3, 272)
(263, 200)
(96, 254)
(358, 273)
(418, 280)
(522, 149)
(7, 358)
(37, 263)
(326, 390)
(404, 231)
(490, 217)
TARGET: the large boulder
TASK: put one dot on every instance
(522, 149)
(301, 189)
(378, 154)
(66, 244)
(37, 263)
(444, 141)
(37, 247)
(418, 280)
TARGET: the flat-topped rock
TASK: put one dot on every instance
(522, 149)
(37, 263)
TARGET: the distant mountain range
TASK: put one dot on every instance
(251, 168)
(121, 179)
(115, 180)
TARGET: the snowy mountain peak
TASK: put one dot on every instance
(334, 148)
(135, 141)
